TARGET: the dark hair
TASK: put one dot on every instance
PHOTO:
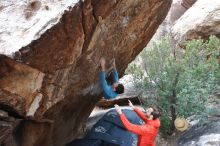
(119, 89)
(155, 114)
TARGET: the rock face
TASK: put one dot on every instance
(201, 135)
(49, 87)
(201, 20)
(178, 8)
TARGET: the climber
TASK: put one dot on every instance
(146, 132)
(110, 85)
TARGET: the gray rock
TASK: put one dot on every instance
(201, 135)
(201, 20)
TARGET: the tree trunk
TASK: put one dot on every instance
(172, 107)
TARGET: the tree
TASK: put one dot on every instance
(179, 86)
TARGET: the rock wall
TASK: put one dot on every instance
(206, 134)
(177, 9)
(49, 87)
(201, 20)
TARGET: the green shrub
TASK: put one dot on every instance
(179, 86)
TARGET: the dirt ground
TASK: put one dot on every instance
(168, 141)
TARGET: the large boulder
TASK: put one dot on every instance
(201, 20)
(49, 61)
(178, 8)
(207, 134)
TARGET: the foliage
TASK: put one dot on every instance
(182, 83)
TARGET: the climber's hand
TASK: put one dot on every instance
(118, 109)
(113, 63)
(102, 63)
(130, 104)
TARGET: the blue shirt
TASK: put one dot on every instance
(107, 89)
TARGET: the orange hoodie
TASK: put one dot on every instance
(147, 132)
